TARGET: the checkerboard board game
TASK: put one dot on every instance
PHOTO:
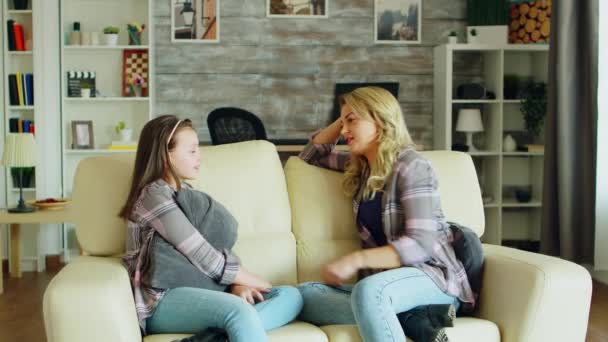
(135, 62)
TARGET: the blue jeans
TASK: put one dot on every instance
(192, 310)
(373, 303)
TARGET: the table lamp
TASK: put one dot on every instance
(469, 122)
(19, 151)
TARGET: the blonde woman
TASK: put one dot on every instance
(407, 260)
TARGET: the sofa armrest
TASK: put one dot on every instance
(91, 299)
(534, 297)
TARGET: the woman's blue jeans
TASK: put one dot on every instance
(373, 303)
(192, 310)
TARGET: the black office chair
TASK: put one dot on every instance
(229, 125)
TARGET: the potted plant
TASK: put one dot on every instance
(111, 35)
(123, 132)
(453, 38)
(534, 107)
(472, 36)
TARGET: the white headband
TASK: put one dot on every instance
(173, 131)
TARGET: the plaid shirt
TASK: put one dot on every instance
(157, 212)
(412, 218)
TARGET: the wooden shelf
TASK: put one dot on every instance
(523, 154)
(24, 189)
(97, 151)
(512, 203)
(492, 47)
(484, 153)
(475, 101)
(21, 53)
(21, 107)
(106, 99)
(104, 47)
(19, 11)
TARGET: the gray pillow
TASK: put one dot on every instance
(169, 267)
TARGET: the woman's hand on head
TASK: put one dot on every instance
(249, 294)
(342, 269)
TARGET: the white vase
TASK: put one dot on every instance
(126, 134)
(452, 40)
(509, 144)
(111, 39)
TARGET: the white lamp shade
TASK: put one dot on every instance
(469, 120)
(19, 150)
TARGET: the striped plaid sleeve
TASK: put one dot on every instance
(164, 216)
(324, 155)
(417, 184)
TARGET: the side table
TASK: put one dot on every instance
(15, 221)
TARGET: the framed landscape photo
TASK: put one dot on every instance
(82, 135)
(397, 21)
(195, 21)
(296, 8)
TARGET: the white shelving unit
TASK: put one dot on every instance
(500, 173)
(109, 107)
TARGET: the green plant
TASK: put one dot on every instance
(534, 106)
(487, 12)
(473, 32)
(120, 126)
(453, 34)
(111, 30)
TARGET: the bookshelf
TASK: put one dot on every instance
(107, 106)
(508, 221)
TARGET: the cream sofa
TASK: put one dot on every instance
(291, 222)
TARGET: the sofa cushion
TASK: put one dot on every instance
(293, 332)
(322, 217)
(465, 330)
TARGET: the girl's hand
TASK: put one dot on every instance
(249, 294)
(342, 269)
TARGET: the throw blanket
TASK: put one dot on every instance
(169, 267)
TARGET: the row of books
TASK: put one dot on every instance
(21, 126)
(16, 40)
(21, 89)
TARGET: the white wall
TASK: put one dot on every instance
(601, 212)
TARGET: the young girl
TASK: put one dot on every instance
(167, 154)
(407, 260)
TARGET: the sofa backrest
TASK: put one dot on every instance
(323, 218)
(245, 177)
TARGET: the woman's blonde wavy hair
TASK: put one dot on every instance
(379, 106)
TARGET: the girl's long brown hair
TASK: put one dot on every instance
(152, 157)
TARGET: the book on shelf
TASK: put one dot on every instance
(21, 89)
(19, 40)
(10, 24)
(536, 148)
(123, 145)
(16, 125)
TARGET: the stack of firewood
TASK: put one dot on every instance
(530, 22)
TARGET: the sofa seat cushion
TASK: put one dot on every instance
(465, 330)
(293, 332)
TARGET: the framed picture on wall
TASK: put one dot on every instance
(397, 21)
(296, 8)
(82, 135)
(195, 21)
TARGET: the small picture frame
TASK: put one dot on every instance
(297, 8)
(195, 21)
(397, 21)
(82, 135)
